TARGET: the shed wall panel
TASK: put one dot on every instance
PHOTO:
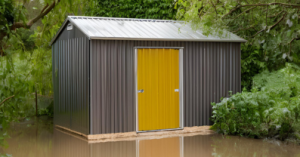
(211, 70)
(71, 83)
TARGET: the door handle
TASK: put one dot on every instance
(176, 90)
(141, 91)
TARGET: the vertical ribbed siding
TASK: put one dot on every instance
(111, 87)
(71, 83)
(211, 69)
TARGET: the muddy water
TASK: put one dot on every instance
(38, 138)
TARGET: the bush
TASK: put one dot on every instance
(47, 111)
(271, 109)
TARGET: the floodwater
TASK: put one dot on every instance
(38, 138)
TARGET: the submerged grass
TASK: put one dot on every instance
(271, 109)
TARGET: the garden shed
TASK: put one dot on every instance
(113, 75)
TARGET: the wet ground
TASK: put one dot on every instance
(38, 138)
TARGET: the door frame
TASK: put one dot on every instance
(181, 125)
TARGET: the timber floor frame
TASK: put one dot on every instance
(130, 136)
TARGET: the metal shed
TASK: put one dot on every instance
(114, 75)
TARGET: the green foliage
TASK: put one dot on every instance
(150, 9)
(251, 65)
(6, 12)
(10, 12)
(271, 109)
(47, 111)
(270, 27)
(26, 66)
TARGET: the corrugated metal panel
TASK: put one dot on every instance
(210, 71)
(142, 29)
(71, 81)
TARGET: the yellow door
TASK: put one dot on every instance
(158, 89)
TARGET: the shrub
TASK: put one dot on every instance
(271, 109)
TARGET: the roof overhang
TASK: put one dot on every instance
(69, 19)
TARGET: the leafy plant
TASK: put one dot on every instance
(47, 111)
(251, 64)
(271, 28)
(271, 109)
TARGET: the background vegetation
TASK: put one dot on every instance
(149, 9)
(26, 29)
(270, 26)
(269, 105)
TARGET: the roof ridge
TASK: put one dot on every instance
(123, 19)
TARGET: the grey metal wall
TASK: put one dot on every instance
(210, 71)
(70, 56)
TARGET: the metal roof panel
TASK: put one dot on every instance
(141, 29)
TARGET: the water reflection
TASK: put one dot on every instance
(30, 138)
(188, 146)
(36, 139)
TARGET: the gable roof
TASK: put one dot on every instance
(108, 28)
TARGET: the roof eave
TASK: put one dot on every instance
(169, 39)
(63, 26)
(58, 32)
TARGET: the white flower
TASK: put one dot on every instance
(289, 22)
(261, 41)
(278, 126)
(285, 110)
(266, 58)
(284, 56)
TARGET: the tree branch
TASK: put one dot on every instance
(243, 29)
(291, 42)
(267, 4)
(271, 26)
(6, 99)
(259, 32)
(276, 3)
(43, 13)
(267, 15)
(244, 12)
(232, 10)
(44, 8)
(214, 7)
(279, 20)
(276, 14)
